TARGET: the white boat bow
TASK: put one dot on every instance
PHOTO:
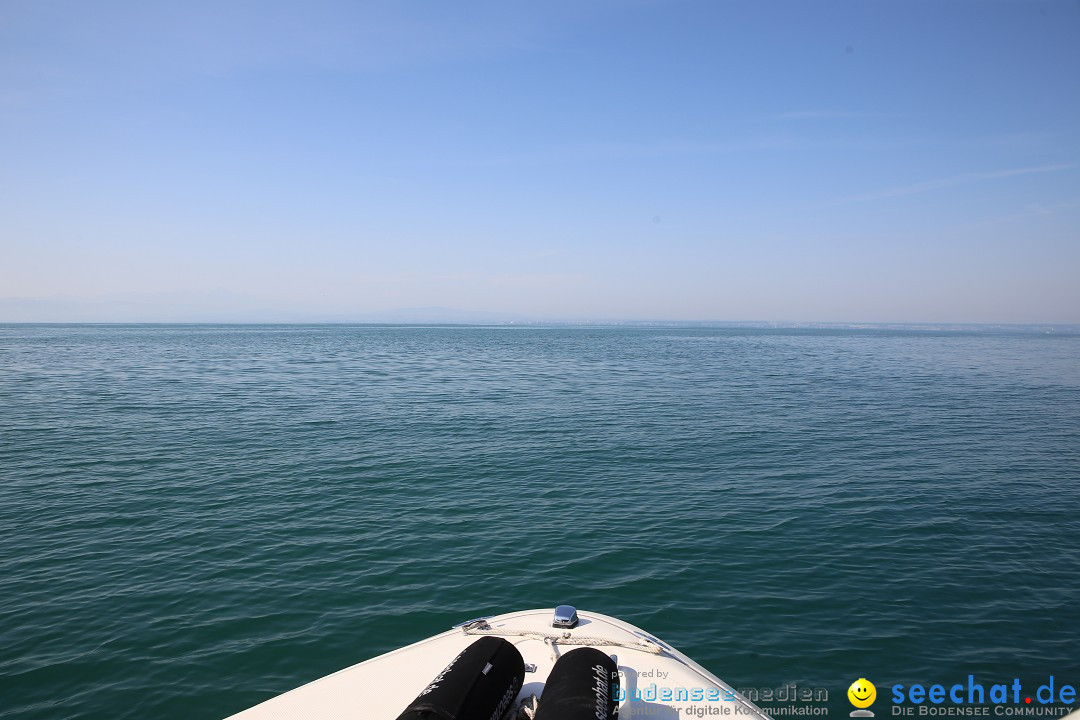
(657, 681)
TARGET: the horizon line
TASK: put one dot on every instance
(641, 322)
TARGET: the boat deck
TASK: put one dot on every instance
(658, 682)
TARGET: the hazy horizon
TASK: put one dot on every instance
(863, 162)
(138, 309)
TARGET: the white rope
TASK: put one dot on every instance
(481, 627)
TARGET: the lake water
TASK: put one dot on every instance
(196, 518)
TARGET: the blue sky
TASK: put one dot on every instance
(786, 161)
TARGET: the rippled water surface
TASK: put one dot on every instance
(195, 518)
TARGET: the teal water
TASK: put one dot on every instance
(196, 518)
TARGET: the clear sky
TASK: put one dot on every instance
(791, 161)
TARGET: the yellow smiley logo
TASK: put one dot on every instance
(862, 693)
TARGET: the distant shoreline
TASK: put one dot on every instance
(1033, 328)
